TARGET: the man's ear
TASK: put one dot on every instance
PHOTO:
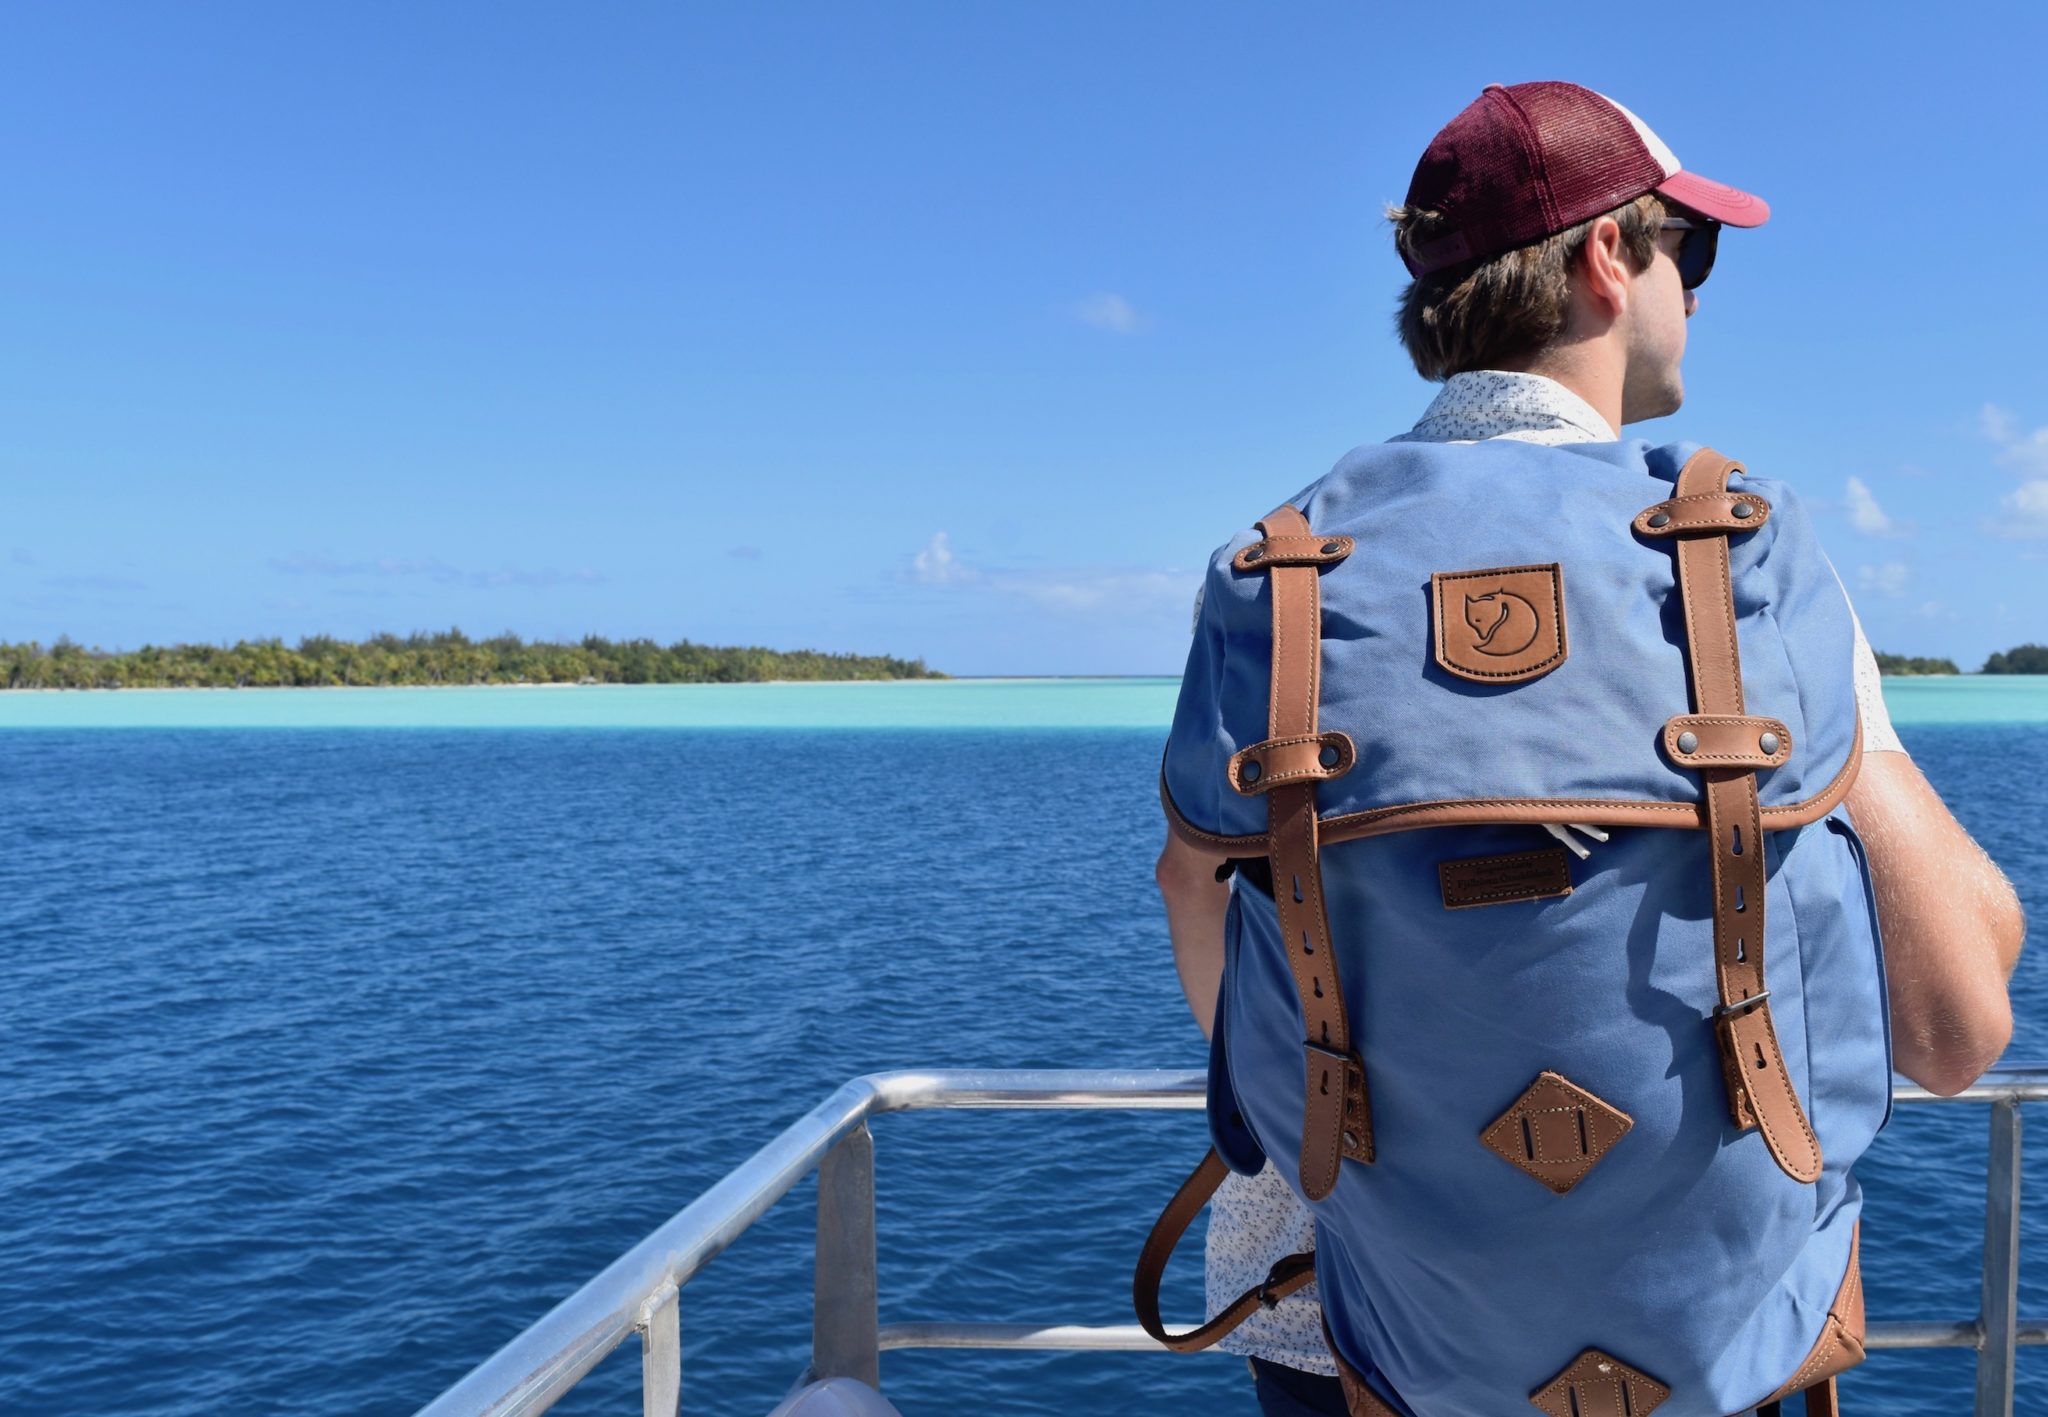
(1603, 270)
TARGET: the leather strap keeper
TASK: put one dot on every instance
(1293, 551)
(1703, 512)
(1279, 761)
(1726, 741)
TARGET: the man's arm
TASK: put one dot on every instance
(1195, 902)
(1952, 927)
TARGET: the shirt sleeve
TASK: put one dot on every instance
(1878, 734)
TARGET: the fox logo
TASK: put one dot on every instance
(1503, 622)
(1500, 625)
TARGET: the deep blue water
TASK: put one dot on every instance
(333, 1058)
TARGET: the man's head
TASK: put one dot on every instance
(1538, 227)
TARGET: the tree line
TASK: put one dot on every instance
(2023, 659)
(425, 659)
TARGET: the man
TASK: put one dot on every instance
(1549, 325)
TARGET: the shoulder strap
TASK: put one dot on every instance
(1288, 1275)
(1337, 1116)
(1760, 1090)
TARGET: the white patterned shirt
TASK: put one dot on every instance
(1257, 1220)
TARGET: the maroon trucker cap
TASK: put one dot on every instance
(1524, 161)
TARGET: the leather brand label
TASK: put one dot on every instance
(1500, 625)
(1495, 880)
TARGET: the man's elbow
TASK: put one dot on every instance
(1182, 868)
(1967, 1048)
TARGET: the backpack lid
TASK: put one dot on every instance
(1504, 641)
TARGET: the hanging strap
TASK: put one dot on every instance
(1760, 1089)
(1337, 1112)
(1288, 1275)
(1821, 1401)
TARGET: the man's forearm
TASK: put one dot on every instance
(1952, 927)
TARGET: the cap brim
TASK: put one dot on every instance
(1724, 204)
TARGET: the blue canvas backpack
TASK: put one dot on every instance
(1574, 1133)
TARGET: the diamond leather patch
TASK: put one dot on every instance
(1555, 1132)
(1599, 1385)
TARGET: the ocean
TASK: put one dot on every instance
(345, 1031)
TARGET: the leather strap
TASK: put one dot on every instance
(1760, 1089)
(1337, 1112)
(1293, 551)
(1288, 1275)
(1821, 1401)
(1359, 1398)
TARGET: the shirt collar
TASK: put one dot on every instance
(1501, 403)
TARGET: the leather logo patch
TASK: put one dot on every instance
(1495, 880)
(1499, 625)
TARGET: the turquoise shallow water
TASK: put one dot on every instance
(955, 703)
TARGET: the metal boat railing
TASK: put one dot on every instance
(637, 1293)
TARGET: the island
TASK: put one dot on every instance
(2022, 659)
(1913, 665)
(450, 658)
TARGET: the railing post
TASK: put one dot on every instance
(2001, 1263)
(845, 1342)
(661, 1354)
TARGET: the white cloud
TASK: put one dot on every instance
(1889, 579)
(937, 565)
(2024, 513)
(2027, 451)
(1082, 591)
(1864, 513)
(1110, 312)
(1065, 590)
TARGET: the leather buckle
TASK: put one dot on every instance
(1357, 1112)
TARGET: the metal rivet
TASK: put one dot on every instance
(1661, 519)
(1687, 742)
(1741, 509)
(1328, 757)
(1331, 548)
(1769, 743)
(1250, 771)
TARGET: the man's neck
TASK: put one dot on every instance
(1595, 381)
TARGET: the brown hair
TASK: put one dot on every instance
(1506, 307)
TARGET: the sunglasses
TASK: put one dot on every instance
(1695, 248)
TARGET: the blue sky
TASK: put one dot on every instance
(954, 330)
